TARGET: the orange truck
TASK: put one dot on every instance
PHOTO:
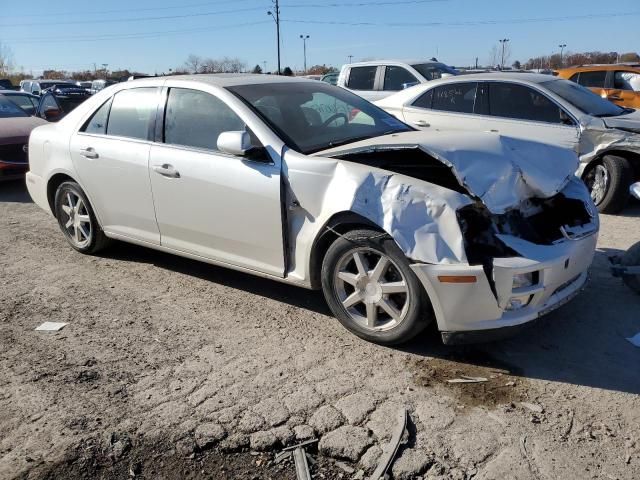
(618, 83)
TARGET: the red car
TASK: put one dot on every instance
(15, 127)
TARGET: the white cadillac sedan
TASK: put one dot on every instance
(309, 184)
(540, 108)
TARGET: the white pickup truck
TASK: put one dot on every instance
(378, 79)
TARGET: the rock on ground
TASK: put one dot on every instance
(347, 442)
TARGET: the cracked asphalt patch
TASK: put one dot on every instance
(171, 368)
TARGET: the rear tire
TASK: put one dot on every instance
(371, 289)
(609, 183)
(77, 219)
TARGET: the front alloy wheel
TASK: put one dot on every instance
(371, 289)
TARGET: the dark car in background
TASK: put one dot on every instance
(15, 128)
(5, 84)
(56, 102)
(26, 101)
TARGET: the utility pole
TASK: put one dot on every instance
(350, 58)
(304, 42)
(264, 64)
(275, 14)
(105, 65)
(503, 42)
(476, 63)
(562, 47)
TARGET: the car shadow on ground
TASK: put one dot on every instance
(583, 343)
(14, 191)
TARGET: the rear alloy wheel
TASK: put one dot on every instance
(372, 290)
(609, 182)
(77, 220)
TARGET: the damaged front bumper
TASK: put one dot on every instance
(475, 303)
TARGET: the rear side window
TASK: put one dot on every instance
(48, 102)
(592, 79)
(509, 100)
(97, 124)
(196, 119)
(424, 101)
(362, 78)
(395, 78)
(131, 113)
(456, 97)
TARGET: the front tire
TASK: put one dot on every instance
(371, 289)
(77, 220)
(609, 182)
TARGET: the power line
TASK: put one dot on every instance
(126, 10)
(131, 36)
(135, 19)
(363, 4)
(467, 23)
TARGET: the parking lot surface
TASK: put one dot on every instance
(168, 366)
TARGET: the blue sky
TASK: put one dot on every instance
(72, 35)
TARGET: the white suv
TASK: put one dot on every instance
(378, 79)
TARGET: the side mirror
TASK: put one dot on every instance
(234, 143)
(635, 190)
(409, 85)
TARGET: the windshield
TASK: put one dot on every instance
(433, 71)
(583, 98)
(314, 116)
(9, 109)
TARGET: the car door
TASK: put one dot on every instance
(111, 156)
(396, 78)
(445, 107)
(521, 111)
(626, 89)
(208, 203)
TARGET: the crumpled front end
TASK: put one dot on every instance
(522, 264)
(602, 135)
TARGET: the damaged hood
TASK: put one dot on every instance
(629, 122)
(500, 171)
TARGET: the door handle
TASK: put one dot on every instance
(89, 152)
(421, 123)
(493, 130)
(614, 97)
(166, 170)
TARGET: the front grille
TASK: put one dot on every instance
(13, 153)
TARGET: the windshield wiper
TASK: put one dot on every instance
(348, 140)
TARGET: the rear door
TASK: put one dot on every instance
(111, 154)
(445, 107)
(521, 111)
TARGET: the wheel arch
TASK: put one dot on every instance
(53, 183)
(338, 224)
(632, 157)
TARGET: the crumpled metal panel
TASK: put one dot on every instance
(421, 217)
(601, 135)
(501, 171)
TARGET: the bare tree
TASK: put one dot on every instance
(193, 63)
(6, 60)
(494, 56)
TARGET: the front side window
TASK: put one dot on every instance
(433, 71)
(9, 109)
(455, 97)
(131, 113)
(592, 79)
(629, 81)
(362, 78)
(509, 100)
(23, 102)
(196, 119)
(314, 116)
(396, 78)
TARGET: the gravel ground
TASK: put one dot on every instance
(174, 369)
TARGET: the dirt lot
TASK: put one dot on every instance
(173, 369)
